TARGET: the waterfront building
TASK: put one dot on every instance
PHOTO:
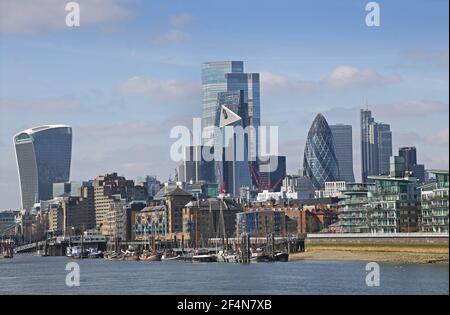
(43, 158)
(320, 163)
(72, 215)
(206, 219)
(150, 223)
(129, 218)
(395, 204)
(343, 146)
(353, 208)
(376, 146)
(115, 221)
(261, 222)
(106, 191)
(334, 189)
(435, 202)
(175, 201)
(305, 216)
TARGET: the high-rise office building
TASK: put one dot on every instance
(228, 76)
(320, 163)
(343, 146)
(233, 171)
(272, 172)
(195, 167)
(43, 158)
(409, 154)
(376, 146)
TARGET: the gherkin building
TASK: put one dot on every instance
(320, 163)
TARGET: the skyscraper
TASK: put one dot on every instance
(320, 163)
(410, 156)
(343, 146)
(43, 158)
(228, 76)
(234, 169)
(376, 146)
(195, 167)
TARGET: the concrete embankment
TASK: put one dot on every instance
(396, 249)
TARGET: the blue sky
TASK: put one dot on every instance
(131, 71)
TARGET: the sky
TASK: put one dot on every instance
(132, 71)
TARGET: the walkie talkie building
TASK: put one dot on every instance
(43, 158)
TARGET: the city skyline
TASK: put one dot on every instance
(122, 115)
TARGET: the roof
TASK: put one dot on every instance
(440, 172)
(41, 128)
(397, 179)
(178, 192)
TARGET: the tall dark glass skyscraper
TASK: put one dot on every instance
(343, 145)
(43, 158)
(376, 146)
(320, 163)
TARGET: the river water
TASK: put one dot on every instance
(27, 274)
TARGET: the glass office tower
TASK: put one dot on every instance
(376, 146)
(43, 158)
(229, 76)
(343, 145)
(320, 163)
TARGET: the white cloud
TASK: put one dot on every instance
(31, 16)
(161, 90)
(180, 19)
(347, 76)
(342, 77)
(172, 37)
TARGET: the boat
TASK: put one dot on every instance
(95, 254)
(115, 256)
(281, 257)
(224, 256)
(203, 256)
(75, 252)
(259, 256)
(131, 256)
(150, 256)
(170, 256)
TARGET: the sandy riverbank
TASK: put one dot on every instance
(401, 256)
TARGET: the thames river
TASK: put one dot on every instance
(47, 275)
